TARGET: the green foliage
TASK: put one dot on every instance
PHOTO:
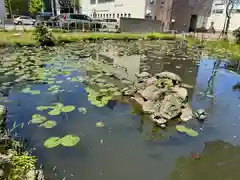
(236, 33)
(67, 141)
(189, 132)
(21, 165)
(43, 36)
(17, 6)
(35, 6)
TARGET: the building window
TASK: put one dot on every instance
(155, 17)
(129, 15)
(103, 15)
(106, 15)
(113, 15)
(162, 2)
(92, 1)
(218, 11)
(110, 15)
(105, 1)
(117, 15)
(125, 15)
(121, 15)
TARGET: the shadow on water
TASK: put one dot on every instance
(129, 146)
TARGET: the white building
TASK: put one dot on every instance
(2, 11)
(218, 16)
(114, 8)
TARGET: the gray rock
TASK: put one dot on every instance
(3, 111)
(186, 114)
(181, 92)
(1, 173)
(143, 75)
(168, 75)
(151, 93)
(200, 114)
(170, 107)
(39, 175)
(151, 81)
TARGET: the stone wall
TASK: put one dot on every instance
(140, 25)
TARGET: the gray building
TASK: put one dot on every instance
(2, 10)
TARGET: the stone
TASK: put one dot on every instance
(158, 119)
(186, 114)
(3, 111)
(170, 107)
(151, 81)
(143, 75)
(39, 175)
(1, 173)
(147, 106)
(200, 114)
(181, 92)
(168, 75)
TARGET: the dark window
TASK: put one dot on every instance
(121, 15)
(129, 15)
(117, 15)
(125, 15)
(79, 16)
(105, 1)
(92, 1)
(155, 17)
(106, 15)
(113, 15)
(112, 20)
(218, 11)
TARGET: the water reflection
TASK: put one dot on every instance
(219, 160)
(130, 146)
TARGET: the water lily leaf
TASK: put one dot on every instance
(26, 90)
(52, 142)
(35, 92)
(37, 119)
(41, 108)
(189, 132)
(117, 94)
(103, 90)
(50, 82)
(69, 140)
(113, 89)
(99, 124)
(49, 124)
(54, 112)
(82, 110)
(67, 109)
(58, 105)
(59, 82)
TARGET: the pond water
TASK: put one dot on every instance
(129, 146)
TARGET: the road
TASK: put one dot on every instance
(17, 27)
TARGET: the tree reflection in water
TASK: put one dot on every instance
(218, 161)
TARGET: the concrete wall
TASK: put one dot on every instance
(140, 25)
(182, 10)
(2, 10)
(134, 8)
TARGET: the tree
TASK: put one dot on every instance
(36, 6)
(16, 7)
(229, 8)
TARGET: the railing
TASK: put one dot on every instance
(66, 25)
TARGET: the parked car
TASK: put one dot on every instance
(78, 21)
(43, 18)
(110, 24)
(24, 20)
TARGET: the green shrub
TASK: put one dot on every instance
(43, 36)
(236, 33)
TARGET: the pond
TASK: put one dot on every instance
(112, 139)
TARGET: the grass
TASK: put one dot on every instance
(26, 38)
(219, 48)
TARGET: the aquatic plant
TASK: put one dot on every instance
(99, 124)
(67, 141)
(21, 165)
(28, 90)
(189, 132)
(82, 110)
(42, 121)
(43, 36)
(57, 108)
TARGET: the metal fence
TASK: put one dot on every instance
(66, 25)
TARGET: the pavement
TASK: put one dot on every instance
(17, 27)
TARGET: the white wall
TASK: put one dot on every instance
(2, 10)
(135, 7)
(219, 20)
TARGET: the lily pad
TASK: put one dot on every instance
(82, 110)
(52, 142)
(37, 119)
(41, 108)
(67, 109)
(99, 124)
(49, 124)
(189, 132)
(54, 112)
(69, 140)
